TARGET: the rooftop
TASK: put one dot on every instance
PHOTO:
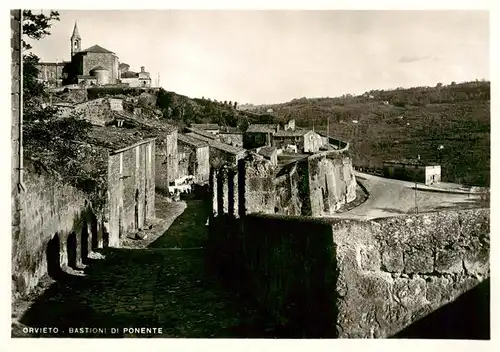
(218, 145)
(230, 130)
(290, 133)
(205, 126)
(97, 49)
(201, 133)
(117, 138)
(267, 151)
(195, 142)
(98, 68)
(262, 128)
(152, 124)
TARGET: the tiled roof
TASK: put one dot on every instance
(289, 133)
(117, 138)
(262, 128)
(218, 145)
(150, 123)
(230, 130)
(201, 133)
(96, 49)
(205, 126)
(191, 140)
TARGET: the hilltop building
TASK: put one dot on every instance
(93, 66)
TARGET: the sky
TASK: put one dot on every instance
(266, 56)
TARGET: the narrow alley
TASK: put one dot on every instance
(165, 287)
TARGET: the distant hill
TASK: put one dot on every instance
(404, 123)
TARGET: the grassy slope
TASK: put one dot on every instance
(462, 126)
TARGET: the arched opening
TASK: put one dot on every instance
(53, 257)
(71, 249)
(94, 233)
(120, 222)
(84, 240)
(136, 212)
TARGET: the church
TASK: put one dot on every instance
(94, 66)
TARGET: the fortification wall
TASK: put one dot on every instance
(57, 227)
(350, 278)
(394, 271)
(331, 182)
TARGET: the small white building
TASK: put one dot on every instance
(413, 170)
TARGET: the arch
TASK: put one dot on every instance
(71, 248)
(53, 257)
(84, 240)
(94, 232)
(136, 209)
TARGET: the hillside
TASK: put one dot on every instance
(404, 123)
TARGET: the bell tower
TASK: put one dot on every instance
(76, 41)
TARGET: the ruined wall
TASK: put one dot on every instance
(331, 182)
(97, 111)
(57, 227)
(288, 199)
(394, 271)
(258, 192)
(131, 186)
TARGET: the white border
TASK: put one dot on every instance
(234, 344)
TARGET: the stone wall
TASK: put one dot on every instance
(107, 60)
(202, 164)
(258, 193)
(289, 199)
(331, 182)
(97, 111)
(394, 271)
(349, 278)
(198, 161)
(16, 137)
(235, 139)
(57, 228)
(131, 190)
(314, 186)
(166, 160)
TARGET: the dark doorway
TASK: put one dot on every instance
(85, 243)
(94, 230)
(120, 223)
(53, 257)
(71, 249)
(136, 212)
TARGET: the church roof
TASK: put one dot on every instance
(96, 49)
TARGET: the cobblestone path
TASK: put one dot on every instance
(139, 288)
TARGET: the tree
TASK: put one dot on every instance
(36, 26)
